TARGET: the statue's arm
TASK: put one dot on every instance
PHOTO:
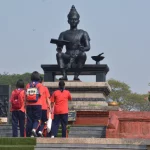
(60, 47)
(61, 37)
(86, 41)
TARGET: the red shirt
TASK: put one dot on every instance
(41, 91)
(61, 101)
(44, 100)
(21, 96)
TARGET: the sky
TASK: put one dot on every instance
(119, 28)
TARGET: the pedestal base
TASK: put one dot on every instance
(84, 91)
(50, 71)
(93, 115)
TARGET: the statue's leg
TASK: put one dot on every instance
(62, 61)
(80, 61)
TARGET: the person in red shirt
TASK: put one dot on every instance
(34, 97)
(60, 100)
(17, 101)
(45, 106)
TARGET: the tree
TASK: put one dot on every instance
(11, 79)
(136, 102)
(120, 90)
(127, 99)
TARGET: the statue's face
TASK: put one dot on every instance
(73, 21)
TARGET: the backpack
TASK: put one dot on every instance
(16, 101)
(32, 94)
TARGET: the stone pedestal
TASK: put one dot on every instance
(88, 106)
(88, 100)
(100, 71)
(93, 115)
(90, 110)
(95, 92)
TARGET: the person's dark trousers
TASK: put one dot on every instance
(34, 113)
(18, 118)
(63, 119)
(43, 120)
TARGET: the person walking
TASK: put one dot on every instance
(17, 101)
(34, 97)
(60, 101)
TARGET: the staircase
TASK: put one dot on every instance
(80, 138)
(5, 130)
(87, 132)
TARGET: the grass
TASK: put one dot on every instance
(18, 141)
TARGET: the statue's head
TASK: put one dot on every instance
(73, 17)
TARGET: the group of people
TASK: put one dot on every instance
(32, 106)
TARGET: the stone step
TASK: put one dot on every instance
(89, 147)
(85, 128)
(91, 144)
(87, 131)
(87, 103)
(5, 134)
(5, 127)
(84, 91)
(87, 135)
(6, 130)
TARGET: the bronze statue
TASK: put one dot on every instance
(77, 43)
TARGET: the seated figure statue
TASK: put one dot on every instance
(79, 43)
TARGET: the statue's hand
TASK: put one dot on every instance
(59, 49)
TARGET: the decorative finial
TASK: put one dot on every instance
(98, 58)
(73, 12)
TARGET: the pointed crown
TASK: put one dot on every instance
(73, 12)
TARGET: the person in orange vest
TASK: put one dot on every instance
(46, 104)
(60, 100)
(34, 97)
(17, 101)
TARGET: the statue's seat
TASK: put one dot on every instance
(50, 71)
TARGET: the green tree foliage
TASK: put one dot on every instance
(120, 90)
(127, 99)
(136, 101)
(11, 79)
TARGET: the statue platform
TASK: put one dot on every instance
(84, 91)
(50, 71)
